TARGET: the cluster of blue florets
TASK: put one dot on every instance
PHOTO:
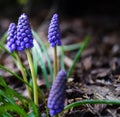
(20, 36)
(12, 37)
(54, 37)
(57, 94)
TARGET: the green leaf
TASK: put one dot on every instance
(8, 95)
(83, 102)
(83, 46)
(39, 40)
(71, 47)
(2, 82)
(2, 44)
(35, 60)
(41, 62)
(10, 99)
(31, 114)
(14, 74)
(13, 108)
(6, 114)
(4, 37)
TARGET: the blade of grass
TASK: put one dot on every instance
(84, 44)
(39, 40)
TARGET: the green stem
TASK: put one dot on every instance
(62, 58)
(55, 62)
(79, 103)
(23, 73)
(34, 79)
(78, 55)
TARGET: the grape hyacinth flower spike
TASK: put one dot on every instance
(12, 37)
(57, 94)
(24, 34)
(54, 38)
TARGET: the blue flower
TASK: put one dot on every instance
(20, 37)
(57, 94)
(54, 36)
(24, 34)
(12, 37)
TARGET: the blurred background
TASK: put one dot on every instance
(77, 16)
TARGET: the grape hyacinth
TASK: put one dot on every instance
(54, 37)
(57, 94)
(20, 37)
(12, 37)
(24, 34)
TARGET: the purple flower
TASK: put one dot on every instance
(20, 37)
(24, 34)
(12, 37)
(57, 94)
(54, 37)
